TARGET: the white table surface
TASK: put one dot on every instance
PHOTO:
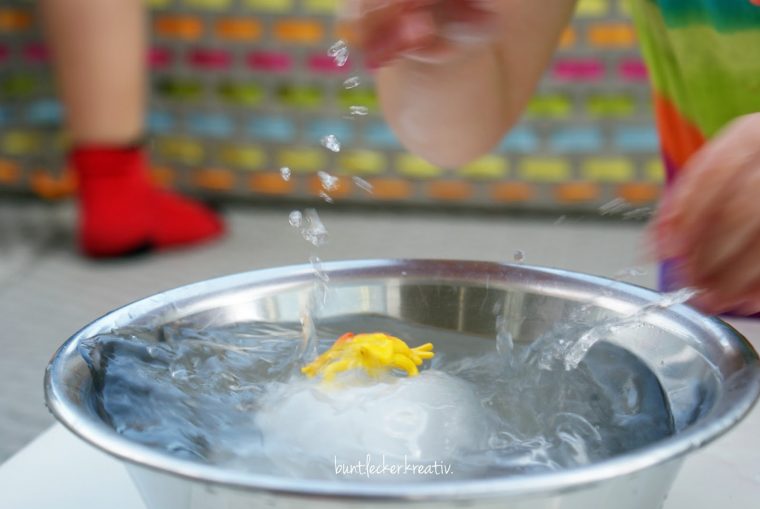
(59, 471)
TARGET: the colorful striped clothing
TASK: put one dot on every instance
(704, 63)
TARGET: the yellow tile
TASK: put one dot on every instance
(276, 6)
(416, 167)
(487, 167)
(545, 169)
(248, 157)
(607, 169)
(321, 6)
(306, 160)
(592, 8)
(654, 171)
(180, 149)
(362, 162)
(18, 143)
(211, 5)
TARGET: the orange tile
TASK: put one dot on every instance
(390, 188)
(639, 192)
(575, 192)
(342, 188)
(9, 172)
(270, 183)
(163, 176)
(299, 30)
(450, 190)
(52, 187)
(178, 26)
(15, 20)
(568, 38)
(238, 29)
(612, 35)
(512, 191)
(216, 179)
(344, 30)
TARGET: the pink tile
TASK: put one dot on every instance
(578, 70)
(211, 58)
(326, 64)
(269, 61)
(36, 52)
(159, 58)
(633, 70)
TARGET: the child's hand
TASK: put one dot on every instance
(711, 220)
(424, 30)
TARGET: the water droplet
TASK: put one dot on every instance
(351, 82)
(330, 142)
(358, 110)
(339, 52)
(295, 219)
(313, 230)
(519, 256)
(329, 182)
(615, 206)
(285, 173)
(362, 184)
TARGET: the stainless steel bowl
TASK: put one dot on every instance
(709, 374)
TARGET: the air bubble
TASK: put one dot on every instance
(330, 142)
(358, 110)
(295, 219)
(329, 182)
(339, 52)
(362, 184)
(285, 173)
(519, 256)
(351, 82)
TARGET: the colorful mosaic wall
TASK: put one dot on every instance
(241, 88)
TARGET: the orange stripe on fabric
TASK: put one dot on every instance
(680, 138)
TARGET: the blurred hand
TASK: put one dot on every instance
(710, 220)
(424, 30)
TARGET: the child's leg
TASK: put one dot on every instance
(98, 48)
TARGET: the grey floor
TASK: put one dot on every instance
(47, 291)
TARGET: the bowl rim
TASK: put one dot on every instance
(65, 409)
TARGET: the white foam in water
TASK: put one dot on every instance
(432, 417)
(330, 142)
(362, 184)
(339, 52)
(358, 110)
(351, 82)
(285, 173)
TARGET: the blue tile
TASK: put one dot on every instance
(268, 128)
(380, 135)
(160, 122)
(211, 125)
(636, 139)
(521, 140)
(343, 130)
(576, 140)
(45, 112)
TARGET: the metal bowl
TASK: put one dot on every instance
(709, 373)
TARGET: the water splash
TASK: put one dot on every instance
(358, 110)
(339, 52)
(351, 82)
(362, 184)
(285, 173)
(577, 349)
(330, 142)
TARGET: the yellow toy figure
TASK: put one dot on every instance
(375, 353)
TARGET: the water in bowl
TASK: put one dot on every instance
(234, 396)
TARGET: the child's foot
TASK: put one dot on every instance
(121, 211)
